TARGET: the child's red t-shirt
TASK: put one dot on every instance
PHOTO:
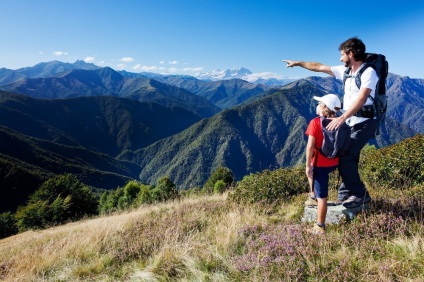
(314, 129)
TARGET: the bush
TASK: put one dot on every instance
(167, 189)
(59, 199)
(109, 200)
(221, 173)
(145, 194)
(131, 190)
(219, 187)
(271, 187)
(397, 166)
(7, 225)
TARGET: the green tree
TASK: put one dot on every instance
(145, 194)
(221, 173)
(131, 190)
(57, 200)
(219, 187)
(109, 201)
(167, 189)
(7, 225)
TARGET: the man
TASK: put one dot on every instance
(352, 192)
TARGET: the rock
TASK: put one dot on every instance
(335, 213)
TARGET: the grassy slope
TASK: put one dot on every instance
(209, 239)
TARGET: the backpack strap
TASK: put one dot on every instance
(357, 78)
(346, 75)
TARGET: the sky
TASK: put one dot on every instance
(198, 36)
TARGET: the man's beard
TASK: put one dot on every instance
(347, 64)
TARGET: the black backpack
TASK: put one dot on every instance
(381, 66)
(336, 142)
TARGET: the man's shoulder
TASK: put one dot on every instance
(338, 71)
(369, 73)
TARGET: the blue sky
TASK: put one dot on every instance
(189, 36)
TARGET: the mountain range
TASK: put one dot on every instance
(108, 82)
(108, 127)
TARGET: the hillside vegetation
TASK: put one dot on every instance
(261, 134)
(250, 233)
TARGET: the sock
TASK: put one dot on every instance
(321, 224)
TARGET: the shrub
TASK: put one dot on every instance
(221, 173)
(59, 199)
(167, 189)
(219, 187)
(7, 225)
(131, 190)
(270, 186)
(109, 200)
(145, 194)
(397, 166)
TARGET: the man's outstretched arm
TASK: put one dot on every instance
(312, 66)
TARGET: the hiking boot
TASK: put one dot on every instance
(354, 201)
(311, 202)
(317, 230)
(340, 201)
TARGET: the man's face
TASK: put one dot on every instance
(345, 58)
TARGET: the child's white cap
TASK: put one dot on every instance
(331, 101)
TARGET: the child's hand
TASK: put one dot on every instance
(309, 171)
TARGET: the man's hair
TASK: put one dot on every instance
(355, 45)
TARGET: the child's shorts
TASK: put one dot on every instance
(321, 180)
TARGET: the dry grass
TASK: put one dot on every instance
(210, 239)
(174, 239)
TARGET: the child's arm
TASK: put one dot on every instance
(309, 153)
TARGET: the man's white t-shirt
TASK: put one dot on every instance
(369, 80)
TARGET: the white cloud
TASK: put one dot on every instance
(89, 59)
(120, 66)
(161, 62)
(60, 53)
(126, 60)
(137, 66)
(193, 69)
(173, 70)
(173, 62)
(145, 68)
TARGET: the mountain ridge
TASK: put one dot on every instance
(108, 82)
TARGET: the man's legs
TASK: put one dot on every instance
(348, 166)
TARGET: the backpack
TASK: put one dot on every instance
(336, 142)
(381, 66)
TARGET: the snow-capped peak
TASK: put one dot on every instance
(224, 74)
(245, 74)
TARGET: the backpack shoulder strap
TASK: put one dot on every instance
(346, 75)
(321, 119)
(359, 74)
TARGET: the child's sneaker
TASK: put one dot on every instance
(317, 229)
(311, 202)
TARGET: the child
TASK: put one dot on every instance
(318, 166)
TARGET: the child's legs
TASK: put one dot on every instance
(321, 210)
(321, 190)
(311, 189)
